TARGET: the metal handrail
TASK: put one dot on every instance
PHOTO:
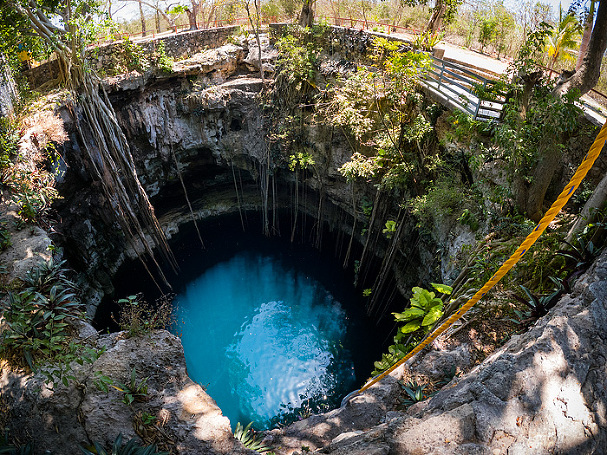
(457, 84)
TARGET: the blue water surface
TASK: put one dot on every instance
(265, 337)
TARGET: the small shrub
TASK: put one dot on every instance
(139, 318)
(37, 329)
(33, 192)
(418, 319)
(5, 236)
(134, 390)
(9, 136)
(414, 393)
(248, 438)
(160, 59)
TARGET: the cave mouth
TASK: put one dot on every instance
(273, 330)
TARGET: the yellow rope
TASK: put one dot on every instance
(575, 181)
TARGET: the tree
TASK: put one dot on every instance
(563, 39)
(142, 17)
(306, 17)
(443, 11)
(109, 159)
(588, 21)
(531, 13)
(504, 24)
(156, 7)
(256, 29)
(588, 74)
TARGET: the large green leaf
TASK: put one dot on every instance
(409, 314)
(442, 288)
(411, 327)
(432, 316)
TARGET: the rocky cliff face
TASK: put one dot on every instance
(203, 125)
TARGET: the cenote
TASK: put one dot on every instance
(273, 330)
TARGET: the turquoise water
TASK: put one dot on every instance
(266, 337)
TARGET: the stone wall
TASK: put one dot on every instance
(353, 43)
(110, 55)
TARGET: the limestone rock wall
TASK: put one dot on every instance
(543, 392)
(60, 419)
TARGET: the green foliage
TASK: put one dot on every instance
(37, 330)
(134, 56)
(132, 447)
(139, 318)
(583, 254)
(248, 438)
(300, 160)
(426, 308)
(487, 31)
(548, 117)
(5, 236)
(359, 166)
(532, 49)
(160, 59)
(33, 192)
(9, 136)
(381, 110)
(443, 199)
(134, 390)
(469, 219)
(564, 38)
(426, 41)
(390, 229)
(297, 64)
(414, 393)
(539, 306)
(20, 449)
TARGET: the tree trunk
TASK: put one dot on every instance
(257, 39)
(306, 17)
(192, 17)
(142, 17)
(596, 202)
(542, 176)
(585, 37)
(436, 20)
(588, 75)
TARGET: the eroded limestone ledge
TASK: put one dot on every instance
(61, 418)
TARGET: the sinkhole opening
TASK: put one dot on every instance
(273, 330)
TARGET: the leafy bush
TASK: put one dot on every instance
(414, 393)
(418, 319)
(5, 236)
(33, 192)
(160, 59)
(139, 318)
(38, 331)
(9, 136)
(442, 200)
